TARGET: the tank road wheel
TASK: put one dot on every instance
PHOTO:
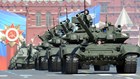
(54, 64)
(63, 65)
(119, 68)
(12, 66)
(70, 65)
(24, 66)
(36, 64)
(101, 68)
(43, 63)
(129, 65)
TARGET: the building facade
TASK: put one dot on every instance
(43, 14)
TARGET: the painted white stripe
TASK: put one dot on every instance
(128, 78)
(105, 74)
(3, 75)
(25, 75)
(127, 74)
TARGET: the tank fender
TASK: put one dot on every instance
(54, 51)
(70, 51)
(130, 49)
(41, 53)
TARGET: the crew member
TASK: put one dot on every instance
(71, 26)
(87, 18)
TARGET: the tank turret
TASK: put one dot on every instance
(109, 33)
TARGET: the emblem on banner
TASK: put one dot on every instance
(13, 35)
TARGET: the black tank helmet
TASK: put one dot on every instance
(87, 11)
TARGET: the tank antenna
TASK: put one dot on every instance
(66, 17)
(66, 13)
(106, 22)
(53, 22)
(84, 4)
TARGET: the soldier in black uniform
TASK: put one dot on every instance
(87, 18)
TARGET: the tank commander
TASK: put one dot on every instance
(71, 26)
(119, 29)
(87, 18)
(99, 42)
(58, 32)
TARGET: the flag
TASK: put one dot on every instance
(2, 49)
(70, 15)
(8, 18)
(95, 14)
(93, 11)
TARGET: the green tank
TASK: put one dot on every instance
(40, 57)
(53, 53)
(69, 40)
(74, 39)
(54, 59)
(101, 48)
(24, 58)
(27, 56)
(46, 57)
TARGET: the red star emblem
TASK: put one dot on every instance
(12, 34)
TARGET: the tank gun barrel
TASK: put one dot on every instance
(51, 33)
(40, 38)
(64, 28)
(85, 27)
(43, 37)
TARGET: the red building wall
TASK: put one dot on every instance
(30, 8)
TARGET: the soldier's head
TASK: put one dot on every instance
(119, 26)
(67, 20)
(99, 41)
(86, 11)
(109, 24)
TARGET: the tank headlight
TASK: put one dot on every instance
(124, 34)
(68, 58)
(82, 49)
(134, 56)
(75, 59)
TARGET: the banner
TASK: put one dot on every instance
(7, 19)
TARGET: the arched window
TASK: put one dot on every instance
(48, 19)
(38, 19)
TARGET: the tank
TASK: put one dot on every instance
(52, 55)
(70, 40)
(73, 39)
(41, 56)
(47, 56)
(24, 58)
(101, 48)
